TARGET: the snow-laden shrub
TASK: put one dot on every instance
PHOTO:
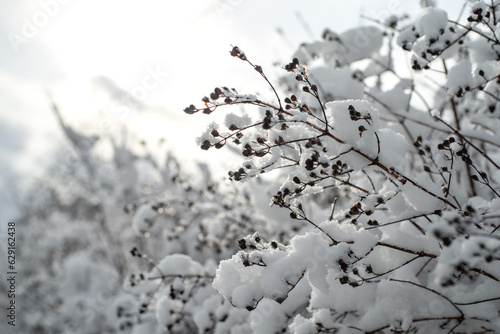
(395, 169)
(130, 241)
(382, 151)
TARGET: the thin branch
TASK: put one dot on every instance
(391, 270)
(180, 276)
(333, 209)
(406, 250)
(479, 301)
(417, 320)
(457, 132)
(433, 291)
(400, 220)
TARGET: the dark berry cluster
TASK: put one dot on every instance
(236, 52)
(211, 103)
(267, 122)
(238, 175)
(293, 103)
(477, 15)
(290, 67)
(446, 143)
(356, 115)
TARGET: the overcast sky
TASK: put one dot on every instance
(169, 54)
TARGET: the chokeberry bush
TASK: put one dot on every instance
(128, 242)
(379, 152)
(386, 140)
